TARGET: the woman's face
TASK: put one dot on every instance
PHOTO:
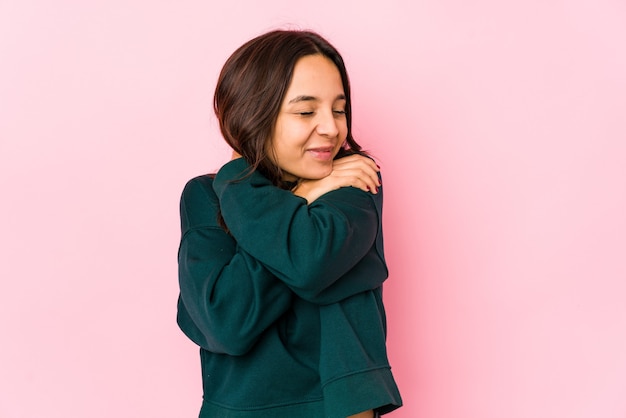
(311, 125)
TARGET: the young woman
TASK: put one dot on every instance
(281, 259)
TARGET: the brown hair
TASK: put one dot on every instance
(251, 88)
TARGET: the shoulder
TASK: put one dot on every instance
(205, 180)
(199, 187)
(198, 203)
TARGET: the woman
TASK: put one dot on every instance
(281, 258)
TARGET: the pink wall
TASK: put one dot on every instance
(501, 130)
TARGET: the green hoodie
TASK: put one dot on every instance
(288, 309)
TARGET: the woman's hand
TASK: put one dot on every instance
(355, 170)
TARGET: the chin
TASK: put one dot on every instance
(313, 173)
(319, 174)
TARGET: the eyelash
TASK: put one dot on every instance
(336, 112)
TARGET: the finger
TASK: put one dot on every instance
(365, 172)
(356, 159)
(357, 177)
(359, 183)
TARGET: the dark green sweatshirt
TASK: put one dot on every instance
(288, 309)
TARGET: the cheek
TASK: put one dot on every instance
(343, 134)
(290, 136)
(343, 129)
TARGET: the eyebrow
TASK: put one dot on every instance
(303, 98)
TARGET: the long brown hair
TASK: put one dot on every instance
(251, 88)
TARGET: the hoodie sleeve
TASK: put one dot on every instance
(227, 298)
(325, 251)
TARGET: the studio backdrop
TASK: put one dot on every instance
(500, 129)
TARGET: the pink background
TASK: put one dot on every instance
(501, 130)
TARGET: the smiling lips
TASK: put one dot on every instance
(322, 153)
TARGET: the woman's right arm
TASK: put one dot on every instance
(227, 298)
(307, 246)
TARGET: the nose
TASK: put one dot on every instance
(327, 124)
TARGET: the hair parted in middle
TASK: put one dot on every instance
(251, 88)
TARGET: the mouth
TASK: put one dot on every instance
(321, 153)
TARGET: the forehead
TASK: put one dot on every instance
(315, 73)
